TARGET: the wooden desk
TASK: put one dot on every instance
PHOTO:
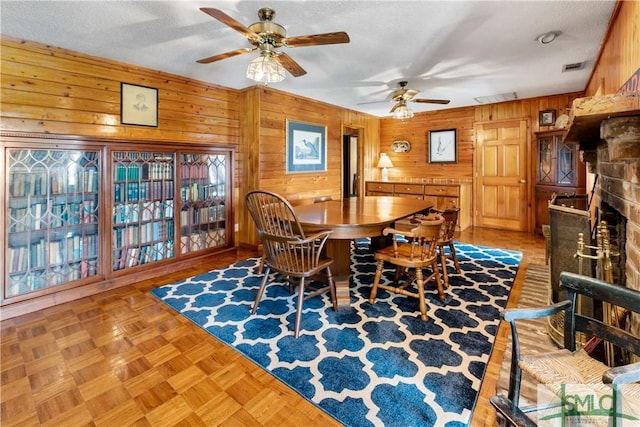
(350, 219)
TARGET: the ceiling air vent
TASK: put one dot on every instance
(501, 97)
(573, 67)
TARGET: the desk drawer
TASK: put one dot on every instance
(408, 189)
(380, 187)
(442, 190)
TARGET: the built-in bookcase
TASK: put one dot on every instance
(203, 212)
(52, 223)
(143, 208)
(99, 214)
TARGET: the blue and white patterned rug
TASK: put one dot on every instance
(371, 364)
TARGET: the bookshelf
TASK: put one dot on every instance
(84, 215)
(202, 201)
(143, 208)
(52, 222)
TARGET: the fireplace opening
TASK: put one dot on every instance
(617, 227)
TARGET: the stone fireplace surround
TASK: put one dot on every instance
(608, 130)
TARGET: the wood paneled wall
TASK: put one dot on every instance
(620, 55)
(414, 164)
(53, 90)
(263, 154)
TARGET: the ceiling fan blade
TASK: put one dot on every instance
(317, 39)
(372, 102)
(226, 55)
(227, 20)
(431, 101)
(290, 65)
(395, 107)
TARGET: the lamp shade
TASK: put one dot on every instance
(266, 69)
(385, 161)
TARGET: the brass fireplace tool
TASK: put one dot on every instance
(611, 315)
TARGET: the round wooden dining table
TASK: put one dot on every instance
(354, 218)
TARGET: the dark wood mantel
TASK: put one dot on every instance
(588, 113)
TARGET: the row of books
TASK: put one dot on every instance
(140, 234)
(203, 240)
(147, 190)
(194, 192)
(52, 215)
(45, 254)
(54, 181)
(135, 156)
(57, 275)
(194, 171)
(202, 215)
(132, 256)
(132, 213)
(145, 171)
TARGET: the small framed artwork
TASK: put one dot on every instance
(401, 146)
(547, 118)
(138, 105)
(443, 146)
(306, 147)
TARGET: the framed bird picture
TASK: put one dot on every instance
(443, 146)
(306, 147)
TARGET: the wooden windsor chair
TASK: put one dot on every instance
(288, 250)
(415, 252)
(445, 243)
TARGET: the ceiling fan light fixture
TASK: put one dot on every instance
(266, 69)
(402, 112)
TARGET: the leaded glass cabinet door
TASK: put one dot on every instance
(203, 192)
(566, 164)
(143, 228)
(545, 161)
(53, 231)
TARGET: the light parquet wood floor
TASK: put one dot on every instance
(123, 358)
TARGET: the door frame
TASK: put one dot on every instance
(358, 132)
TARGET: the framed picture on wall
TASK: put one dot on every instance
(443, 146)
(138, 105)
(547, 118)
(306, 147)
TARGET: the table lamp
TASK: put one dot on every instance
(384, 163)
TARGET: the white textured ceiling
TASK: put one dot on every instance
(455, 50)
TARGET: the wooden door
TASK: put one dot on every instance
(501, 175)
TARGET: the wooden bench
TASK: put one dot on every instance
(572, 366)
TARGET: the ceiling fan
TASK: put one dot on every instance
(267, 36)
(403, 95)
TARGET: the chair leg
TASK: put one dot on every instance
(443, 264)
(332, 289)
(436, 273)
(299, 307)
(261, 265)
(454, 257)
(263, 285)
(376, 282)
(420, 284)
